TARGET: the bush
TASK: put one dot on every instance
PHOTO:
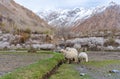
(111, 42)
(24, 37)
(27, 30)
(32, 50)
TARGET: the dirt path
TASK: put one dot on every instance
(101, 72)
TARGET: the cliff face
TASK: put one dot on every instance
(15, 16)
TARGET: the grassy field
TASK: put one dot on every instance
(94, 69)
(36, 70)
(67, 71)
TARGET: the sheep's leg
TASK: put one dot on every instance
(69, 61)
(76, 59)
(73, 59)
(66, 59)
(79, 60)
(86, 59)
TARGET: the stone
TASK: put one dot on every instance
(82, 74)
(114, 71)
(109, 75)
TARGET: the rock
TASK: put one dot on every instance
(0, 32)
(5, 39)
(18, 46)
(114, 71)
(109, 48)
(77, 46)
(35, 41)
(82, 74)
(27, 46)
(109, 75)
(36, 46)
(47, 46)
(12, 46)
(117, 41)
(4, 44)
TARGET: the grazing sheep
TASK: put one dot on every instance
(72, 49)
(70, 54)
(82, 57)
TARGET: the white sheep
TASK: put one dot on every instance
(70, 54)
(82, 57)
(71, 49)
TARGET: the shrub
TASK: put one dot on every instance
(24, 37)
(111, 42)
(27, 30)
(32, 50)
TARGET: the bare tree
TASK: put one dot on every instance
(63, 32)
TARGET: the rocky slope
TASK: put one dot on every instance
(14, 16)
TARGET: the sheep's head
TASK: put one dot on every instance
(68, 48)
(63, 51)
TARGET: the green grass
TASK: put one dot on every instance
(25, 52)
(67, 71)
(35, 71)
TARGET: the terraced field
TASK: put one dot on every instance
(99, 66)
(10, 61)
(38, 66)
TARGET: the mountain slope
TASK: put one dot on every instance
(108, 19)
(14, 16)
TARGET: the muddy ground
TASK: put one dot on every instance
(11, 61)
(101, 72)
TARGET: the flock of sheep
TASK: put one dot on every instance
(71, 54)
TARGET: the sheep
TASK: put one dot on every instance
(82, 57)
(71, 49)
(70, 54)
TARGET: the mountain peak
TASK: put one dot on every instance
(112, 3)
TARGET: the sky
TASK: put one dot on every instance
(39, 5)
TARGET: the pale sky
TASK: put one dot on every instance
(37, 5)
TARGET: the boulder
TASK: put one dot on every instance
(47, 46)
(36, 46)
(114, 71)
(18, 46)
(82, 74)
(4, 45)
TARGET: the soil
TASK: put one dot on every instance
(102, 72)
(9, 61)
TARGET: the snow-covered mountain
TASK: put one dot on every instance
(70, 17)
(65, 17)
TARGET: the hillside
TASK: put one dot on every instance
(14, 16)
(107, 20)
